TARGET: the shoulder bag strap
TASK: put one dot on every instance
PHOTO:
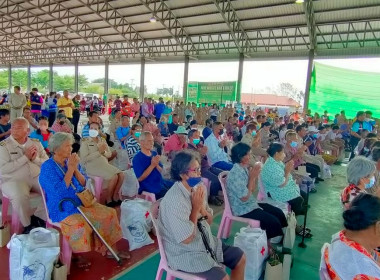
(63, 172)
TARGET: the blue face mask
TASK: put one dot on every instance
(254, 133)
(193, 181)
(294, 144)
(196, 141)
(315, 135)
(137, 134)
(371, 183)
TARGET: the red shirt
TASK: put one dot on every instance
(174, 144)
(126, 108)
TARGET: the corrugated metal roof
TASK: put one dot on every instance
(38, 32)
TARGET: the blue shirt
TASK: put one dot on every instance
(164, 130)
(152, 183)
(159, 109)
(356, 126)
(206, 132)
(172, 127)
(52, 182)
(122, 132)
(237, 188)
(214, 152)
(40, 137)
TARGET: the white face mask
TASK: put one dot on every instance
(93, 133)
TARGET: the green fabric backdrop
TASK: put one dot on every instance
(335, 89)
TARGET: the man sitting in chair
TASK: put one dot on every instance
(20, 162)
(147, 167)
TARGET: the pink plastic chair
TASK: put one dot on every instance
(148, 196)
(16, 226)
(228, 217)
(163, 266)
(261, 195)
(66, 251)
(207, 184)
(98, 187)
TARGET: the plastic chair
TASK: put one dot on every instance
(228, 217)
(66, 251)
(16, 226)
(98, 187)
(207, 184)
(149, 196)
(323, 273)
(261, 195)
(163, 266)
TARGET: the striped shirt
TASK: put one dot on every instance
(133, 147)
(175, 227)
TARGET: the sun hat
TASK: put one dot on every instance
(181, 130)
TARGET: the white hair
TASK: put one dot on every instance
(144, 134)
(358, 168)
(20, 119)
(57, 139)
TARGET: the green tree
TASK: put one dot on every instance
(20, 78)
(40, 80)
(93, 88)
(3, 79)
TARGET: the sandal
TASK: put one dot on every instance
(305, 233)
(313, 190)
(122, 255)
(82, 262)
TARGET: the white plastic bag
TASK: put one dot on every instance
(130, 184)
(33, 256)
(326, 171)
(136, 222)
(122, 159)
(290, 231)
(253, 241)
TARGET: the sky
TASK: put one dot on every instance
(257, 75)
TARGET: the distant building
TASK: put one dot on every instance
(270, 100)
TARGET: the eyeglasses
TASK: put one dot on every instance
(195, 170)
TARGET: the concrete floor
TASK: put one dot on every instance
(324, 218)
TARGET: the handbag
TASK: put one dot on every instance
(59, 272)
(273, 268)
(85, 196)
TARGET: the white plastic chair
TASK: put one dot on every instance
(228, 217)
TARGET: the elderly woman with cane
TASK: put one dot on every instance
(63, 179)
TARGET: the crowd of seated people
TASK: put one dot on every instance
(220, 139)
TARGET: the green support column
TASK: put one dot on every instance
(51, 84)
(240, 77)
(185, 79)
(29, 79)
(10, 78)
(308, 80)
(106, 78)
(76, 77)
(142, 79)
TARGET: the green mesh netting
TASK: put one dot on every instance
(335, 89)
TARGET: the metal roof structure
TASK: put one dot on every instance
(58, 31)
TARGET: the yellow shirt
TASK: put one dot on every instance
(68, 110)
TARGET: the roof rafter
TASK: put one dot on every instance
(165, 16)
(238, 33)
(310, 19)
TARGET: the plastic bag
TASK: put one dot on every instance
(136, 222)
(130, 184)
(326, 172)
(122, 159)
(253, 241)
(33, 256)
(290, 231)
